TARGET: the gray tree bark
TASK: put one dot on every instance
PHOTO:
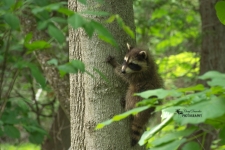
(93, 100)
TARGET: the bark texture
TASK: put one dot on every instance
(93, 100)
(212, 55)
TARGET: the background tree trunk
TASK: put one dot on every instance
(93, 100)
(59, 85)
(212, 51)
(59, 134)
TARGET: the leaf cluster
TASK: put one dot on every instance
(186, 106)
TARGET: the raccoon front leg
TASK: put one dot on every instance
(117, 67)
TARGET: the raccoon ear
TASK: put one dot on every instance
(143, 54)
(129, 47)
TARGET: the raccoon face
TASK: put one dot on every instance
(134, 61)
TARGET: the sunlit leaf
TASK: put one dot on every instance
(198, 87)
(160, 93)
(208, 109)
(111, 19)
(122, 116)
(37, 45)
(154, 130)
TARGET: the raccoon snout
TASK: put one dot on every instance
(123, 71)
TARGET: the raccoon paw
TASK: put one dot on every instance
(110, 59)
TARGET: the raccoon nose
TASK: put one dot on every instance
(123, 71)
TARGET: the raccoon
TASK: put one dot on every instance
(139, 70)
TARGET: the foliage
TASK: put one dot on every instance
(26, 146)
(220, 11)
(168, 26)
(192, 105)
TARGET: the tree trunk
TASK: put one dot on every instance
(212, 50)
(213, 45)
(93, 100)
(59, 134)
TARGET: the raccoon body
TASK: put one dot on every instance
(140, 72)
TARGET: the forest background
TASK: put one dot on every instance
(35, 67)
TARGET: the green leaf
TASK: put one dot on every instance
(59, 20)
(53, 62)
(37, 74)
(128, 31)
(173, 136)
(37, 45)
(11, 131)
(217, 82)
(56, 34)
(83, 2)
(95, 13)
(89, 29)
(76, 21)
(156, 129)
(198, 87)
(10, 118)
(220, 12)
(130, 112)
(160, 93)
(72, 67)
(12, 20)
(123, 26)
(9, 3)
(105, 123)
(222, 136)
(101, 75)
(41, 2)
(191, 146)
(121, 116)
(209, 109)
(111, 19)
(170, 146)
(65, 11)
(103, 33)
(212, 75)
(28, 37)
(36, 138)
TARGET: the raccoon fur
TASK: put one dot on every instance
(139, 70)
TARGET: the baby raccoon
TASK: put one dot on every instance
(140, 71)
